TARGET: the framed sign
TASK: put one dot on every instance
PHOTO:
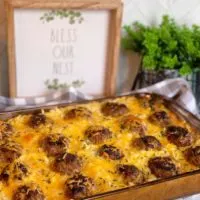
(61, 43)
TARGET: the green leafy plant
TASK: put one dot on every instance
(55, 85)
(71, 15)
(166, 46)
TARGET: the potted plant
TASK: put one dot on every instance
(168, 50)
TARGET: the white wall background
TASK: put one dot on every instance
(148, 11)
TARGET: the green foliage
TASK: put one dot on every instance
(55, 85)
(166, 46)
(71, 15)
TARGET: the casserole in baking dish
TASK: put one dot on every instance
(98, 148)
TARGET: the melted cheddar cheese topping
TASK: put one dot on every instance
(101, 170)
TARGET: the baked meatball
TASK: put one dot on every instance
(5, 129)
(98, 134)
(37, 119)
(55, 144)
(67, 164)
(79, 112)
(114, 109)
(162, 167)
(147, 142)
(133, 124)
(192, 155)
(152, 101)
(5, 174)
(109, 151)
(20, 170)
(131, 174)
(15, 171)
(10, 151)
(179, 136)
(79, 186)
(28, 193)
(143, 101)
(160, 118)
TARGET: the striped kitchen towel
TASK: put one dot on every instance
(177, 89)
(62, 96)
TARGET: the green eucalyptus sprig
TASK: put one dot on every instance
(55, 85)
(72, 15)
(166, 46)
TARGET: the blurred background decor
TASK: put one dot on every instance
(73, 42)
(167, 50)
(145, 11)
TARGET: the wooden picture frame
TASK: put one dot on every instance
(114, 7)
